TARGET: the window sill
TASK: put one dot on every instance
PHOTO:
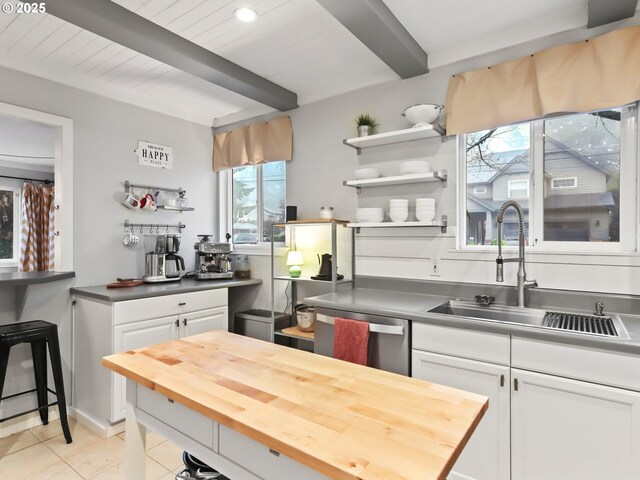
(263, 249)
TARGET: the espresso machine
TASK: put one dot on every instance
(212, 259)
(162, 263)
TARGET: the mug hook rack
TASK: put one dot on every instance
(128, 187)
(128, 226)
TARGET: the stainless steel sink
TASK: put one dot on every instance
(579, 323)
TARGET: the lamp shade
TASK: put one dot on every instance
(294, 258)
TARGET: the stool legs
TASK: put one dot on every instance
(39, 353)
(56, 367)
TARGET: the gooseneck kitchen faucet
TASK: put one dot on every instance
(522, 274)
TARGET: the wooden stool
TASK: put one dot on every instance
(38, 333)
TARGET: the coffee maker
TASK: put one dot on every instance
(212, 259)
(162, 264)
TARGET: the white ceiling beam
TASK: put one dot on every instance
(373, 23)
(116, 23)
(602, 12)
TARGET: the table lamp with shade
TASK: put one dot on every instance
(294, 261)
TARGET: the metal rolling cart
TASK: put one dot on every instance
(312, 238)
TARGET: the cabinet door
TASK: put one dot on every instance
(203, 321)
(573, 430)
(136, 335)
(486, 456)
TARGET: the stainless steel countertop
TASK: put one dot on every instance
(185, 285)
(416, 306)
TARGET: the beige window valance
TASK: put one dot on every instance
(591, 75)
(254, 144)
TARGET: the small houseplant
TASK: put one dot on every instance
(365, 123)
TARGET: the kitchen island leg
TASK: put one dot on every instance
(136, 433)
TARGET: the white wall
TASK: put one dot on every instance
(105, 133)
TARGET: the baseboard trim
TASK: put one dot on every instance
(102, 429)
(25, 422)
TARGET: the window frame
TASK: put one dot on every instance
(17, 223)
(483, 187)
(629, 194)
(509, 182)
(554, 179)
(225, 220)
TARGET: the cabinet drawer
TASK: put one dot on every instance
(581, 363)
(154, 307)
(487, 347)
(183, 419)
(260, 460)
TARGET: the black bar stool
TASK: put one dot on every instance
(38, 333)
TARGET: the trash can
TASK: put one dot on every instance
(256, 323)
(197, 470)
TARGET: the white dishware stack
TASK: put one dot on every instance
(414, 166)
(369, 215)
(399, 209)
(425, 209)
(366, 173)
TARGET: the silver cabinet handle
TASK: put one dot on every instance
(373, 327)
(387, 329)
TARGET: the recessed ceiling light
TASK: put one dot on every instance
(245, 14)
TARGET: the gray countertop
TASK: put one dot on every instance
(416, 306)
(18, 279)
(185, 285)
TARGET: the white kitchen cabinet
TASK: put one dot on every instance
(203, 321)
(573, 430)
(137, 335)
(486, 456)
(102, 328)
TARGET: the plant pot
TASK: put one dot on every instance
(364, 130)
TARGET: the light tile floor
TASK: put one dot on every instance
(41, 453)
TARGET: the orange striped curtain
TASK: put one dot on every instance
(37, 228)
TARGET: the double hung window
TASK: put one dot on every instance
(257, 202)
(573, 176)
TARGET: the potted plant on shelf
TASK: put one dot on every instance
(365, 123)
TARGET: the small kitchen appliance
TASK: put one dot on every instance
(162, 264)
(212, 259)
(326, 268)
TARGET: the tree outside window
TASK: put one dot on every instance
(258, 201)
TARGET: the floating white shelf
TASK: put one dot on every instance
(439, 176)
(387, 138)
(442, 223)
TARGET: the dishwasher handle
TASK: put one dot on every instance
(373, 327)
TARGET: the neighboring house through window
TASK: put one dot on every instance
(571, 186)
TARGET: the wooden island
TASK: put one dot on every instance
(256, 410)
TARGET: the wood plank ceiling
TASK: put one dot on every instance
(294, 43)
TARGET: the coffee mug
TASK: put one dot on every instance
(148, 202)
(131, 200)
(130, 239)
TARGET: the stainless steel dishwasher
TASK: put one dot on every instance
(389, 338)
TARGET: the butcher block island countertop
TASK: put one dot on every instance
(343, 420)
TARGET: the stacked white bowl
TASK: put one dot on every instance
(399, 209)
(414, 166)
(425, 209)
(369, 215)
(366, 173)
